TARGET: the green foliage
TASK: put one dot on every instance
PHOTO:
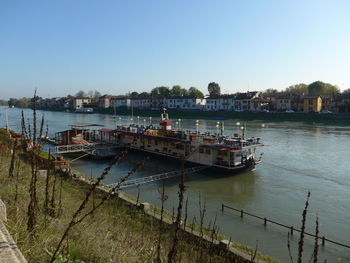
(20, 103)
(196, 93)
(93, 94)
(315, 88)
(176, 91)
(347, 91)
(160, 92)
(62, 259)
(144, 95)
(3, 103)
(321, 88)
(214, 89)
(80, 93)
(134, 95)
(271, 92)
(297, 89)
(184, 92)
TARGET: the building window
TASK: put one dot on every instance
(311, 102)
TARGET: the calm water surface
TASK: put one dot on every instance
(300, 158)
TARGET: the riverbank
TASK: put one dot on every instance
(307, 118)
(117, 232)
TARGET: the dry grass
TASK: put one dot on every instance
(117, 232)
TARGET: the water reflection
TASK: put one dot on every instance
(301, 158)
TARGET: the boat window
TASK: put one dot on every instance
(223, 153)
(179, 146)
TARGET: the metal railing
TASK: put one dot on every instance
(71, 148)
(291, 228)
(158, 177)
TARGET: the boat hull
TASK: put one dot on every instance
(248, 166)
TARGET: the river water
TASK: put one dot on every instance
(300, 158)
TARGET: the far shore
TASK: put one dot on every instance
(338, 119)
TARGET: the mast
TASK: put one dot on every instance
(132, 112)
(115, 115)
(7, 119)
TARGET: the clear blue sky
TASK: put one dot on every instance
(62, 46)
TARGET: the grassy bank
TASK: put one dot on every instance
(117, 232)
(308, 118)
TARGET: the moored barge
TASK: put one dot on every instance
(224, 153)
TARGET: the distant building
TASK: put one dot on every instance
(80, 102)
(185, 103)
(158, 103)
(327, 103)
(212, 103)
(67, 103)
(141, 103)
(342, 103)
(249, 101)
(120, 102)
(105, 101)
(283, 103)
(226, 102)
(312, 104)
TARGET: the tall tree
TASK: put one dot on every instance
(196, 93)
(134, 94)
(80, 93)
(271, 92)
(176, 91)
(214, 89)
(321, 88)
(347, 91)
(298, 89)
(160, 92)
(184, 92)
(97, 94)
(144, 95)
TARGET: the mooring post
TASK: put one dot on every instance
(222, 208)
(265, 221)
(241, 213)
(291, 230)
(323, 240)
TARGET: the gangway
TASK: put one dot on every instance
(158, 177)
(87, 148)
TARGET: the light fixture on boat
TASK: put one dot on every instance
(238, 124)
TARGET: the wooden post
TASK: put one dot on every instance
(241, 213)
(222, 208)
(291, 230)
(323, 240)
(265, 221)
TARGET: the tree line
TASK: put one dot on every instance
(214, 89)
(315, 88)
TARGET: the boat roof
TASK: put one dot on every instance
(83, 125)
